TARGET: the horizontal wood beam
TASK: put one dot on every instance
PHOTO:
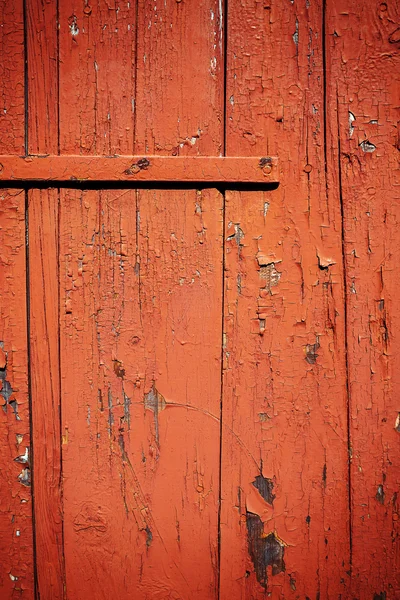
(140, 168)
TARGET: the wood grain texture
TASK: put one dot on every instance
(43, 234)
(132, 482)
(42, 66)
(16, 541)
(45, 390)
(97, 76)
(16, 547)
(140, 350)
(284, 519)
(364, 67)
(12, 88)
(179, 98)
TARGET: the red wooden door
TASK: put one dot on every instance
(199, 335)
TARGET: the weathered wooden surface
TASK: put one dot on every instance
(141, 293)
(42, 136)
(284, 525)
(97, 45)
(16, 540)
(12, 88)
(213, 376)
(364, 60)
(185, 169)
(45, 389)
(16, 549)
(179, 103)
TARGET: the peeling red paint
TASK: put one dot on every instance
(211, 376)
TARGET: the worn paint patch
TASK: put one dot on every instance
(311, 352)
(380, 495)
(270, 275)
(25, 477)
(237, 236)
(367, 146)
(351, 121)
(155, 402)
(265, 486)
(265, 550)
(6, 388)
(397, 423)
(119, 369)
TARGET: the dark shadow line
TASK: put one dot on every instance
(29, 374)
(221, 395)
(26, 184)
(346, 332)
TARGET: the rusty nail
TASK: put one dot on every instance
(1, 167)
(308, 169)
(265, 160)
(143, 163)
(267, 169)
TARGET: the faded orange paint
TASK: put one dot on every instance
(206, 377)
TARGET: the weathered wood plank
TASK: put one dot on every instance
(42, 67)
(179, 99)
(12, 89)
(97, 77)
(141, 168)
(284, 520)
(45, 390)
(16, 541)
(364, 80)
(16, 544)
(141, 306)
(42, 53)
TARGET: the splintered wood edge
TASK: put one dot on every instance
(140, 168)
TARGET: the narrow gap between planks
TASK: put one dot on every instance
(224, 18)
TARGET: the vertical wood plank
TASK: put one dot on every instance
(284, 519)
(16, 548)
(45, 390)
(12, 89)
(42, 52)
(141, 306)
(42, 55)
(16, 541)
(97, 79)
(364, 76)
(179, 99)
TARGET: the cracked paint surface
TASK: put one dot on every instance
(213, 375)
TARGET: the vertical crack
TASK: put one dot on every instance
(225, 85)
(223, 193)
(28, 369)
(135, 71)
(344, 264)
(58, 255)
(346, 332)
(325, 96)
(26, 79)
(58, 79)
(224, 18)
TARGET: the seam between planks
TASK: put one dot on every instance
(221, 392)
(346, 351)
(28, 345)
(63, 570)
